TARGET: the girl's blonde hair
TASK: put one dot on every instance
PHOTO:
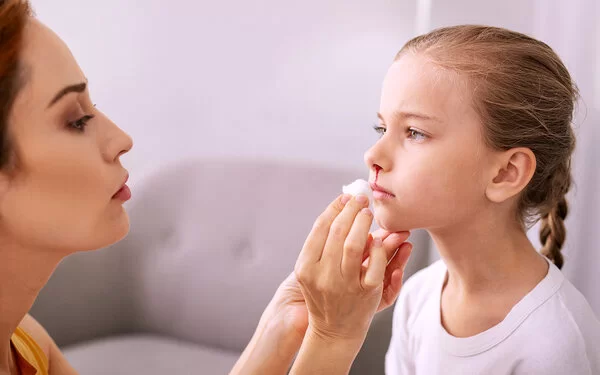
(525, 97)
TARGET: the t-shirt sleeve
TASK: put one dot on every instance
(573, 335)
(585, 324)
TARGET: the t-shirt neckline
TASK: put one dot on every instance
(481, 342)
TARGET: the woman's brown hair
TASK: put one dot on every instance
(13, 17)
(525, 97)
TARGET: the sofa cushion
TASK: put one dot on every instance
(210, 242)
(148, 355)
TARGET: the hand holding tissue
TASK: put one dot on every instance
(359, 187)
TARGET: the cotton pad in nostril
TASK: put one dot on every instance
(359, 187)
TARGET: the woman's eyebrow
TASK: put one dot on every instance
(78, 88)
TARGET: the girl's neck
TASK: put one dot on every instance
(485, 255)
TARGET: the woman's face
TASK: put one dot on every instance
(432, 157)
(61, 194)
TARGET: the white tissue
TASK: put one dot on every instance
(359, 187)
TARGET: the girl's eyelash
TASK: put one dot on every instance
(379, 129)
(411, 132)
(80, 124)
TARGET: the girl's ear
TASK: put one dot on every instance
(512, 172)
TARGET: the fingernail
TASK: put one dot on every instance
(377, 242)
(345, 198)
(362, 199)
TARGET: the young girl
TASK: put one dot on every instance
(476, 144)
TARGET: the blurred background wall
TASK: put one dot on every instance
(301, 81)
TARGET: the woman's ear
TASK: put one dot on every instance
(511, 174)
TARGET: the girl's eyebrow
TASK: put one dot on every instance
(406, 115)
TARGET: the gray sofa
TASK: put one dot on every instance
(210, 242)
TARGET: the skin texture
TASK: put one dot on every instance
(56, 194)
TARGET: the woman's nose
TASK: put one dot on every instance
(126, 143)
(119, 142)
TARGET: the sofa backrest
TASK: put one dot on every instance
(210, 241)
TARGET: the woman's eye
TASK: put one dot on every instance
(416, 135)
(379, 129)
(81, 123)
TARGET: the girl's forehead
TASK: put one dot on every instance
(416, 84)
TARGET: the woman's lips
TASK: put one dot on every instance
(124, 194)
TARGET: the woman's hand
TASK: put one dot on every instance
(342, 290)
(284, 322)
(288, 306)
(397, 258)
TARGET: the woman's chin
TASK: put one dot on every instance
(121, 233)
(116, 234)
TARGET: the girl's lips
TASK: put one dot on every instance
(380, 195)
(376, 188)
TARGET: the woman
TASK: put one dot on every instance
(62, 187)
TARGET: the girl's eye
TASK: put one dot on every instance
(81, 123)
(379, 129)
(416, 135)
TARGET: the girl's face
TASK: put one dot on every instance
(60, 196)
(431, 156)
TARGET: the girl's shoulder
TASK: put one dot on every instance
(566, 329)
(418, 289)
(576, 304)
(579, 315)
(425, 280)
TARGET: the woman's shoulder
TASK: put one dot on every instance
(37, 332)
(58, 364)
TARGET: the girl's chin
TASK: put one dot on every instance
(391, 225)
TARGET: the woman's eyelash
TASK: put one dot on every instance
(81, 123)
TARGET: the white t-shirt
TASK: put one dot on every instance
(551, 331)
